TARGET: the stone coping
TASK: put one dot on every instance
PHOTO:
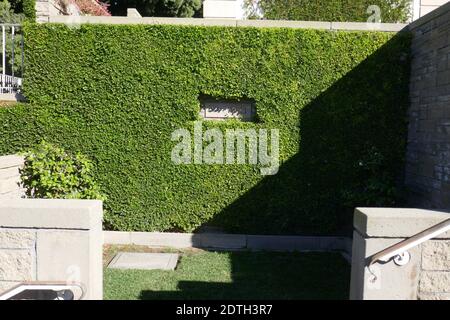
(396, 222)
(51, 213)
(349, 26)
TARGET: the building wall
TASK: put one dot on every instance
(422, 7)
(427, 173)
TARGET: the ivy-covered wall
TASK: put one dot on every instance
(116, 93)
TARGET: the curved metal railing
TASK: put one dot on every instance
(40, 290)
(399, 251)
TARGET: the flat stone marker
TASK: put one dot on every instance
(144, 261)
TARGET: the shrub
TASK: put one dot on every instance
(29, 9)
(116, 93)
(49, 172)
(329, 10)
(158, 8)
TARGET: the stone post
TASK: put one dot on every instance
(426, 276)
(42, 10)
(52, 240)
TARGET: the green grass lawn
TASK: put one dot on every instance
(236, 275)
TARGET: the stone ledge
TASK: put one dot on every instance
(349, 26)
(397, 222)
(284, 24)
(363, 26)
(51, 213)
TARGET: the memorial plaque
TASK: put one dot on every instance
(212, 109)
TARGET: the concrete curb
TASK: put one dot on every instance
(229, 241)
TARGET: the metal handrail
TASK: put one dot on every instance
(43, 285)
(399, 251)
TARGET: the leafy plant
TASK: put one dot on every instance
(50, 172)
(158, 8)
(376, 186)
(24, 7)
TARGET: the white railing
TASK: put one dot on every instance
(10, 84)
(12, 58)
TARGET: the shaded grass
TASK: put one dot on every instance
(236, 275)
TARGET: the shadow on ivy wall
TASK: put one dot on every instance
(358, 122)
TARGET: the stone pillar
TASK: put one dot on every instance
(48, 8)
(42, 10)
(133, 13)
(426, 276)
(52, 240)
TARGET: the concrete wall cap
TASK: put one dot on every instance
(321, 25)
(52, 214)
(396, 222)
